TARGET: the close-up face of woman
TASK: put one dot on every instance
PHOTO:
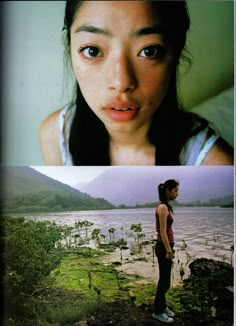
(122, 62)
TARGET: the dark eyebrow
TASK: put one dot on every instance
(156, 29)
(92, 29)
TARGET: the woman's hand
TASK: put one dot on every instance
(170, 255)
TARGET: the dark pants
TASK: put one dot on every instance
(164, 277)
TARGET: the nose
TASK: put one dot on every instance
(122, 75)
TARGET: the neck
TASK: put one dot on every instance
(135, 139)
(131, 149)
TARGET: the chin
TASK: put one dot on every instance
(126, 130)
(127, 127)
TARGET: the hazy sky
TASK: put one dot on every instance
(71, 174)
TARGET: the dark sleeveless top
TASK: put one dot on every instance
(169, 230)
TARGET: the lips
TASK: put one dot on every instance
(121, 111)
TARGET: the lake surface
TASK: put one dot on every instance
(207, 231)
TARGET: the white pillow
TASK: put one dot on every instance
(219, 111)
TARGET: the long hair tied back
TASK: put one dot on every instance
(167, 185)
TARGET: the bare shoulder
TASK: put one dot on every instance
(220, 154)
(162, 208)
(49, 135)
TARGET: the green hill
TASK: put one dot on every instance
(26, 190)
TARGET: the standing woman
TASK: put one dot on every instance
(164, 248)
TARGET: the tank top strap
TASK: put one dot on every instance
(66, 117)
(197, 147)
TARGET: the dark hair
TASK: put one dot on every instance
(170, 127)
(167, 185)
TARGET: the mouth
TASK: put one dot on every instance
(121, 114)
(121, 111)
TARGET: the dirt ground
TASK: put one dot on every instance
(127, 314)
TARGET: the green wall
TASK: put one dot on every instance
(211, 44)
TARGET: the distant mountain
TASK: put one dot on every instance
(226, 201)
(138, 185)
(27, 190)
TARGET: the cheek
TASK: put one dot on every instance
(79, 71)
(89, 86)
(156, 86)
(88, 78)
(83, 78)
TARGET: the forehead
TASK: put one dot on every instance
(116, 14)
(176, 188)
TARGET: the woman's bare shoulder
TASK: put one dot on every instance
(220, 154)
(162, 208)
(49, 139)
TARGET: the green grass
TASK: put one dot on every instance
(69, 313)
(81, 284)
(92, 280)
(85, 274)
(74, 295)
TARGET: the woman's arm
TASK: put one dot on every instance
(163, 213)
(49, 135)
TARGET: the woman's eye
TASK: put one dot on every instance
(90, 51)
(153, 52)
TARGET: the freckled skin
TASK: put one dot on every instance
(120, 73)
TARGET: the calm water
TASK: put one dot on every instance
(208, 232)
